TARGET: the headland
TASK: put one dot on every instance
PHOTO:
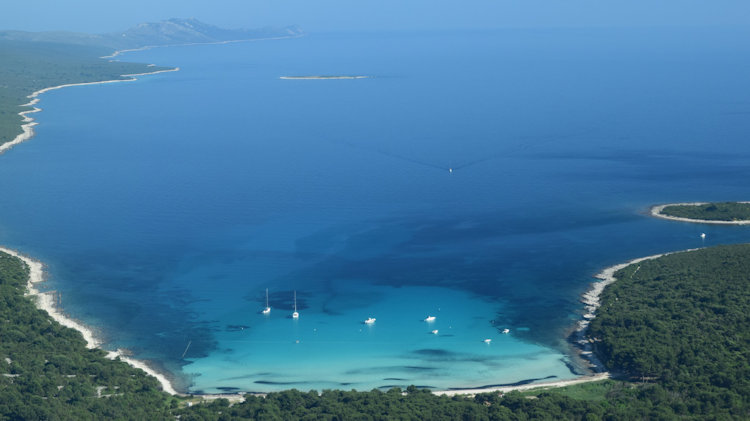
(719, 213)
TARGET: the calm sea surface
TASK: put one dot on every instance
(165, 208)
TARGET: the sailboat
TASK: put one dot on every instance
(267, 310)
(295, 315)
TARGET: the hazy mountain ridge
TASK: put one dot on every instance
(168, 32)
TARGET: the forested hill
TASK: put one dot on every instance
(683, 322)
(168, 32)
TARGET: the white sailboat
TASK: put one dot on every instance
(295, 315)
(370, 320)
(429, 319)
(267, 310)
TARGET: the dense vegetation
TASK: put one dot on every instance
(718, 211)
(677, 328)
(46, 372)
(30, 61)
(27, 67)
(683, 322)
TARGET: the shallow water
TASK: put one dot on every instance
(164, 208)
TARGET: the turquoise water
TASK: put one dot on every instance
(164, 208)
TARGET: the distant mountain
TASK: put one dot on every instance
(168, 32)
(185, 31)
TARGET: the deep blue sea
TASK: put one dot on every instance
(164, 208)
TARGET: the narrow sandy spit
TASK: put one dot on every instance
(656, 211)
(29, 123)
(45, 301)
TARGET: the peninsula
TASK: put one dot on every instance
(35, 62)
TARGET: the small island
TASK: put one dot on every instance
(733, 213)
(323, 77)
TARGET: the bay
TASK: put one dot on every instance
(481, 177)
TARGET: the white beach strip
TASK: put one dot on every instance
(45, 301)
(148, 47)
(656, 211)
(28, 123)
(505, 389)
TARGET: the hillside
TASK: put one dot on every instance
(36, 60)
(168, 32)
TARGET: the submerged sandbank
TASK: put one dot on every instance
(656, 211)
(45, 301)
(28, 123)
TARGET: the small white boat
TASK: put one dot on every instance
(506, 331)
(435, 332)
(487, 341)
(295, 315)
(370, 320)
(429, 319)
(267, 310)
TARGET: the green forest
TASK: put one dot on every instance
(27, 67)
(718, 211)
(675, 332)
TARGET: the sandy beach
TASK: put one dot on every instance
(45, 301)
(28, 122)
(656, 211)
(506, 389)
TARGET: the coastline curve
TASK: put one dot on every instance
(655, 211)
(28, 123)
(45, 301)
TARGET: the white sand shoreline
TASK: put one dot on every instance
(28, 122)
(656, 211)
(506, 389)
(45, 301)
